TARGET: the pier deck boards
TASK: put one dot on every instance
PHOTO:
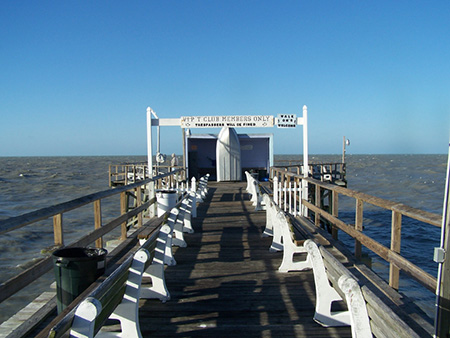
(226, 284)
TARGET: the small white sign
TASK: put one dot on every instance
(235, 121)
(286, 120)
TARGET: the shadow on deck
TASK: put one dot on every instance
(226, 284)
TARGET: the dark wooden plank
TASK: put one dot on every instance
(226, 281)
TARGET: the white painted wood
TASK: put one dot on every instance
(325, 294)
(127, 312)
(155, 271)
(359, 318)
(84, 320)
(178, 237)
(168, 254)
(290, 248)
(268, 230)
(271, 217)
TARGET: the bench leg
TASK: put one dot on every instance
(288, 264)
(84, 320)
(127, 312)
(178, 240)
(277, 240)
(168, 254)
(359, 317)
(188, 223)
(268, 230)
(290, 249)
(168, 230)
(155, 271)
(325, 294)
(158, 290)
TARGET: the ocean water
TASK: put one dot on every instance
(31, 183)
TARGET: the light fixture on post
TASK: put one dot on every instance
(345, 143)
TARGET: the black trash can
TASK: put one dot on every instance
(75, 269)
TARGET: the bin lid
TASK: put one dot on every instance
(80, 253)
(166, 191)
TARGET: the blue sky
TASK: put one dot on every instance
(77, 76)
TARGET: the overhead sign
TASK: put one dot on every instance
(286, 120)
(237, 121)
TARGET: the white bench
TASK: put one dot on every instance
(333, 283)
(291, 246)
(284, 238)
(202, 188)
(254, 190)
(272, 228)
(108, 302)
(186, 212)
(118, 296)
(155, 271)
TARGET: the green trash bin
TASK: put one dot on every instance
(75, 269)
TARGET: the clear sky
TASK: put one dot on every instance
(77, 76)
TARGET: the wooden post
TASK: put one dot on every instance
(335, 212)
(58, 230)
(318, 204)
(139, 203)
(98, 221)
(123, 210)
(396, 236)
(358, 226)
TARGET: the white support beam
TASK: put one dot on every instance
(305, 156)
(149, 142)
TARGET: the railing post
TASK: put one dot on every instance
(396, 235)
(123, 210)
(318, 204)
(335, 212)
(300, 197)
(58, 230)
(359, 226)
(295, 197)
(151, 195)
(275, 189)
(98, 222)
(290, 187)
(138, 204)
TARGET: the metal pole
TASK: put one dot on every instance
(305, 156)
(442, 319)
(343, 151)
(149, 142)
(151, 185)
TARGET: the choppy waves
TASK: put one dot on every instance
(28, 184)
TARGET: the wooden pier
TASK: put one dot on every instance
(226, 283)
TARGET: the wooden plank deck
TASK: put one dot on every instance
(226, 284)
